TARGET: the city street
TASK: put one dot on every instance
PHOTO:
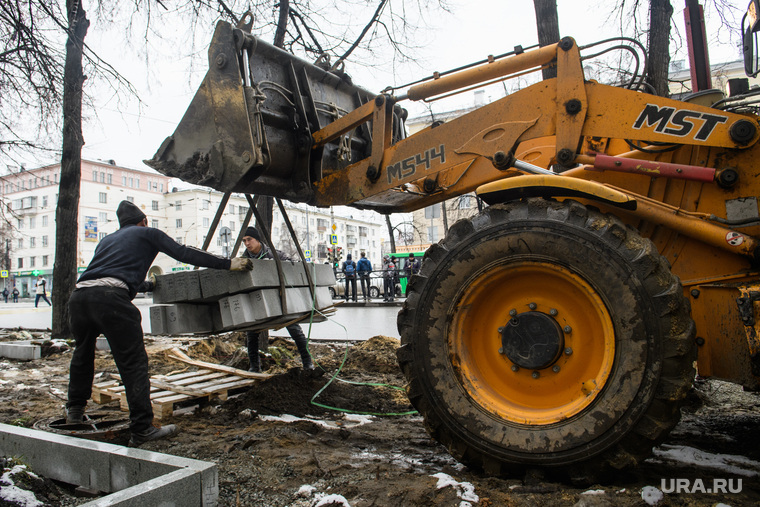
(353, 321)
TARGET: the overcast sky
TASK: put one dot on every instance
(128, 134)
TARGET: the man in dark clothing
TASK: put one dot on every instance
(364, 267)
(349, 272)
(412, 268)
(255, 249)
(102, 303)
(6, 293)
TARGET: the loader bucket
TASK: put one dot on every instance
(249, 127)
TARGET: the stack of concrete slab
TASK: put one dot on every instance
(212, 300)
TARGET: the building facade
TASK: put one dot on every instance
(29, 200)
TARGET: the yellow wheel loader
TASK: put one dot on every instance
(562, 326)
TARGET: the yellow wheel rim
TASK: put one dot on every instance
(531, 396)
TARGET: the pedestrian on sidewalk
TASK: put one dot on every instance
(389, 278)
(6, 293)
(364, 267)
(15, 294)
(102, 303)
(349, 272)
(40, 291)
(412, 268)
(255, 249)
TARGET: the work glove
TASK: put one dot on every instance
(153, 282)
(241, 264)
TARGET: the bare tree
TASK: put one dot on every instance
(547, 24)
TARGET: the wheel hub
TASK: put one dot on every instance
(532, 340)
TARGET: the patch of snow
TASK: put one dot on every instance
(730, 463)
(359, 418)
(331, 499)
(594, 492)
(12, 493)
(651, 495)
(334, 425)
(305, 491)
(465, 490)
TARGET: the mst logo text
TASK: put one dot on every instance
(678, 122)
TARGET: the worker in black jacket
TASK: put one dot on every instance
(102, 303)
(255, 249)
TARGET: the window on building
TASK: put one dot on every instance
(232, 208)
(32, 242)
(131, 199)
(44, 241)
(44, 261)
(44, 201)
(94, 175)
(161, 188)
(178, 205)
(21, 243)
(44, 221)
(31, 262)
(109, 178)
(179, 223)
(102, 177)
(103, 216)
(132, 182)
(20, 264)
(102, 198)
(204, 204)
(154, 224)
(124, 181)
(232, 225)
(102, 235)
(154, 205)
(137, 182)
(205, 222)
(178, 240)
(55, 178)
(433, 211)
(32, 222)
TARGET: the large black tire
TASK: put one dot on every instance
(601, 285)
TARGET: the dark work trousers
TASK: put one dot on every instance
(109, 311)
(388, 289)
(295, 332)
(43, 296)
(364, 278)
(352, 294)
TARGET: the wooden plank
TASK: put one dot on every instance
(170, 386)
(181, 356)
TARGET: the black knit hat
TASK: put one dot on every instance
(254, 233)
(129, 214)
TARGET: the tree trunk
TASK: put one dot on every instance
(445, 217)
(660, 12)
(66, 230)
(547, 24)
(390, 233)
(282, 24)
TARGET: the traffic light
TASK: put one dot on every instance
(330, 256)
(338, 254)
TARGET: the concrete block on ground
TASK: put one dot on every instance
(188, 318)
(263, 275)
(24, 350)
(133, 476)
(101, 343)
(158, 320)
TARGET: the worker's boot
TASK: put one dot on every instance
(152, 433)
(254, 362)
(74, 415)
(302, 345)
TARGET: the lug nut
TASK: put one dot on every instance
(568, 351)
(500, 330)
(553, 312)
(555, 368)
(567, 329)
(515, 367)
(512, 312)
(535, 374)
(501, 350)
(532, 306)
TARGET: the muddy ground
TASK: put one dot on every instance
(384, 460)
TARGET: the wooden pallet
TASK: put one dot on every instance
(209, 382)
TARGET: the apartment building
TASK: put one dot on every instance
(30, 197)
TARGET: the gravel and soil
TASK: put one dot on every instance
(276, 444)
